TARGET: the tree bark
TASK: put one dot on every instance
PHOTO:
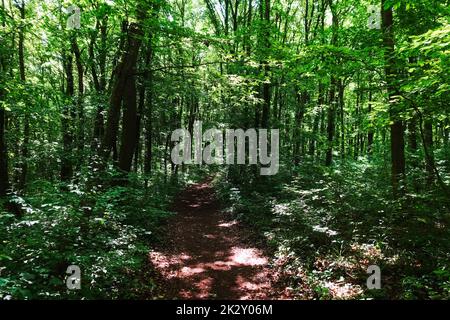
(266, 85)
(66, 172)
(397, 127)
(142, 98)
(332, 96)
(124, 83)
(26, 127)
(4, 178)
(79, 100)
(370, 133)
(331, 124)
(129, 129)
(429, 160)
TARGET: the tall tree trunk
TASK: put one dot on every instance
(26, 127)
(266, 85)
(79, 100)
(4, 179)
(99, 77)
(332, 96)
(370, 132)
(67, 120)
(124, 83)
(413, 147)
(4, 176)
(313, 141)
(248, 45)
(397, 128)
(148, 132)
(142, 99)
(302, 99)
(341, 91)
(429, 160)
(331, 124)
(129, 128)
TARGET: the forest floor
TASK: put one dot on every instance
(209, 255)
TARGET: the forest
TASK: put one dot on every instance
(355, 96)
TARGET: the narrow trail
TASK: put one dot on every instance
(208, 255)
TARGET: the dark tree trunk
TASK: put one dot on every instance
(397, 128)
(412, 135)
(99, 78)
(129, 129)
(142, 99)
(266, 86)
(312, 145)
(4, 179)
(413, 147)
(4, 176)
(79, 102)
(140, 110)
(302, 99)
(26, 127)
(332, 96)
(370, 133)
(341, 91)
(67, 121)
(149, 130)
(331, 124)
(429, 160)
(124, 83)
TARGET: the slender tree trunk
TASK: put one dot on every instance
(265, 117)
(331, 124)
(341, 91)
(4, 178)
(370, 132)
(302, 99)
(249, 24)
(413, 147)
(148, 133)
(313, 142)
(67, 121)
(26, 127)
(149, 120)
(429, 161)
(332, 96)
(99, 77)
(321, 133)
(446, 133)
(79, 101)
(142, 98)
(140, 111)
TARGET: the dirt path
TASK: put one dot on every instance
(209, 255)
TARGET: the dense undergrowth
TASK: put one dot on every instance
(327, 226)
(106, 231)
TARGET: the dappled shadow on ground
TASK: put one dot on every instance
(208, 255)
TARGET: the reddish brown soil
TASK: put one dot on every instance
(208, 255)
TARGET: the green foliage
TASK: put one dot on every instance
(106, 233)
(328, 226)
(314, 65)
